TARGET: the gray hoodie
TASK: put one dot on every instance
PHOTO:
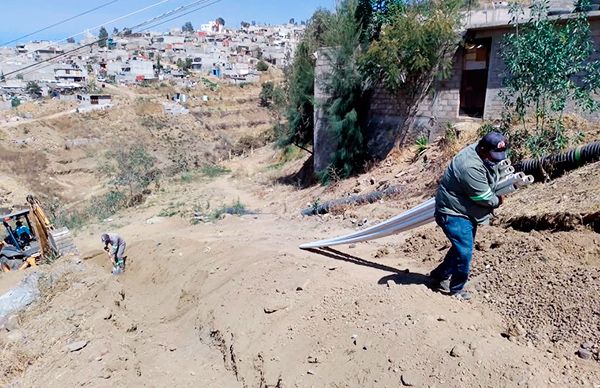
(468, 188)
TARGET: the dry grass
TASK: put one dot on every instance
(144, 107)
(13, 362)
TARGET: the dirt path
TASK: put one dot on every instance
(235, 303)
(13, 124)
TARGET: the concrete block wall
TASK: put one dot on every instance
(439, 108)
(493, 103)
(386, 113)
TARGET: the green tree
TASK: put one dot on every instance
(130, 167)
(187, 27)
(372, 14)
(184, 65)
(346, 107)
(272, 96)
(221, 21)
(159, 65)
(262, 66)
(292, 21)
(115, 31)
(549, 65)
(33, 89)
(70, 40)
(245, 24)
(15, 102)
(102, 36)
(416, 47)
(300, 80)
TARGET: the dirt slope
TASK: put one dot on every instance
(235, 303)
(58, 150)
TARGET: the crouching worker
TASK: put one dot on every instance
(465, 199)
(116, 251)
(12, 258)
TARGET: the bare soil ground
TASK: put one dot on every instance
(234, 303)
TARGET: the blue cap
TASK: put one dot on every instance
(496, 144)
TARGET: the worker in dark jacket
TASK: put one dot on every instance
(466, 198)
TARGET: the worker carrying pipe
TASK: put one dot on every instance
(466, 198)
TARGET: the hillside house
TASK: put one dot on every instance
(69, 73)
(95, 99)
(470, 94)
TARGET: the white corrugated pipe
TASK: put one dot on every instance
(413, 218)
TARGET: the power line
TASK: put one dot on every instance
(100, 40)
(117, 19)
(53, 58)
(177, 17)
(59, 23)
(86, 45)
(169, 13)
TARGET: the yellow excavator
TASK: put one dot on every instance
(31, 237)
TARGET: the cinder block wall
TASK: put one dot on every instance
(493, 103)
(440, 107)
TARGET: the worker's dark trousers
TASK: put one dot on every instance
(457, 263)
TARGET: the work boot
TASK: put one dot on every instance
(462, 295)
(440, 285)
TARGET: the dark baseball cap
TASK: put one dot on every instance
(496, 144)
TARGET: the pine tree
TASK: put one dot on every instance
(346, 107)
(103, 36)
(187, 27)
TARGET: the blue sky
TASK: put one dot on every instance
(22, 17)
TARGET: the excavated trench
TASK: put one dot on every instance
(555, 222)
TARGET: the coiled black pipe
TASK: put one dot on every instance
(350, 200)
(553, 166)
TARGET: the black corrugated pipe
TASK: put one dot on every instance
(555, 165)
(350, 200)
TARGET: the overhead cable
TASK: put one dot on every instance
(59, 23)
(157, 18)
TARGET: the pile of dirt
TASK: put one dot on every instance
(563, 204)
(546, 284)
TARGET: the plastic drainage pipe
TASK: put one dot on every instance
(405, 218)
(507, 189)
(507, 171)
(507, 182)
(504, 164)
(422, 219)
(413, 218)
(525, 181)
(554, 165)
(416, 211)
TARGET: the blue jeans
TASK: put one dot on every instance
(457, 263)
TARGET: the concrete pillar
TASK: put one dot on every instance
(325, 142)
